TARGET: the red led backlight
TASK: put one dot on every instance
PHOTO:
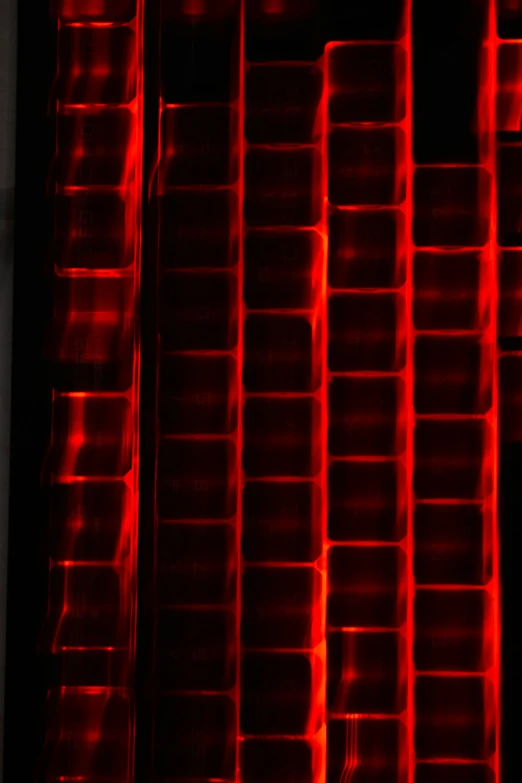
(94, 346)
(300, 391)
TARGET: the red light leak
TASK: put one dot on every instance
(94, 349)
(326, 475)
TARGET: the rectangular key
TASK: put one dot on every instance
(196, 564)
(280, 437)
(363, 417)
(196, 479)
(281, 522)
(452, 545)
(281, 353)
(278, 693)
(376, 747)
(97, 65)
(367, 586)
(92, 436)
(451, 717)
(364, 673)
(366, 83)
(279, 607)
(194, 736)
(88, 735)
(453, 630)
(366, 501)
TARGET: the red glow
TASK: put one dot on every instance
(285, 380)
(454, 300)
(377, 434)
(325, 591)
(94, 346)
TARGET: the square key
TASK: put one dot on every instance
(88, 607)
(195, 564)
(198, 312)
(279, 606)
(198, 229)
(364, 417)
(452, 375)
(94, 147)
(452, 719)
(451, 206)
(88, 520)
(449, 460)
(199, 146)
(92, 436)
(282, 104)
(195, 649)
(454, 773)
(365, 166)
(366, 501)
(375, 749)
(447, 290)
(366, 333)
(509, 171)
(277, 693)
(510, 294)
(367, 587)
(194, 736)
(199, 51)
(281, 437)
(196, 479)
(282, 269)
(278, 760)
(281, 522)
(366, 248)
(367, 83)
(92, 231)
(364, 673)
(88, 734)
(97, 11)
(452, 630)
(97, 64)
(283, 187)
(451, 544)
(281, 353)
(197, 394)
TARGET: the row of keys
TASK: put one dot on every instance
(191, 727)
(93, 358)
(454, 652)
(367, 516)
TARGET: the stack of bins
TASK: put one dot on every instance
(509, 341)
(194, 660)
(283, 499)
(368, 134)
(94, 356)
(454, 320)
